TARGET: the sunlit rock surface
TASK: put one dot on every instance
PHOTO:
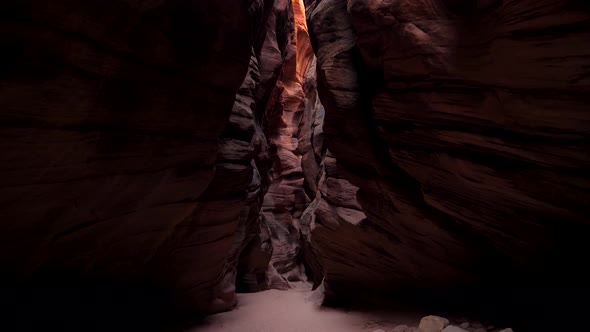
(286, 199)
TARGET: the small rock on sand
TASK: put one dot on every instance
(433, 324)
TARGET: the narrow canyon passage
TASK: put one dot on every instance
(295, 165)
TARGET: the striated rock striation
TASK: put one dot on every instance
(218, 229)
(119, 165)
(286, 199)
(201, 147)
(465, 128)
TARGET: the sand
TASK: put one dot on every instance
(298, 310)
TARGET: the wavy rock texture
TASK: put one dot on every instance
(142, 171)
(253, 237)
(179, 144)
(110, 114)
(334, 204)
(465, 128)
(286, 198)
(218, 229)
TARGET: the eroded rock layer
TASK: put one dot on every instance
(285, 113)
(334, 204)
(465, 126)
(118, 162)
(181, 144)
(218, 229)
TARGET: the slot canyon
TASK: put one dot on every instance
(295, 165)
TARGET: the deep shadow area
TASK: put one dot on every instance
(533, 309)
(60, 302)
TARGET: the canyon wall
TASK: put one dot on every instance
(123, 161)
(132, 154)
(201, 147)
(465, 126)
(288, 123)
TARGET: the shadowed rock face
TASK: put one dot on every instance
(334, 205)
(111, 114)
(466, 130)
(219, 227)
(124, 160)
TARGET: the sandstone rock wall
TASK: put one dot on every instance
(334, 204)
(465, 128)
(124, 159)
(285, 115)
(183, 144)
(204, 248)
(118, 162)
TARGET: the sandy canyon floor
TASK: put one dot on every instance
(298, 310)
